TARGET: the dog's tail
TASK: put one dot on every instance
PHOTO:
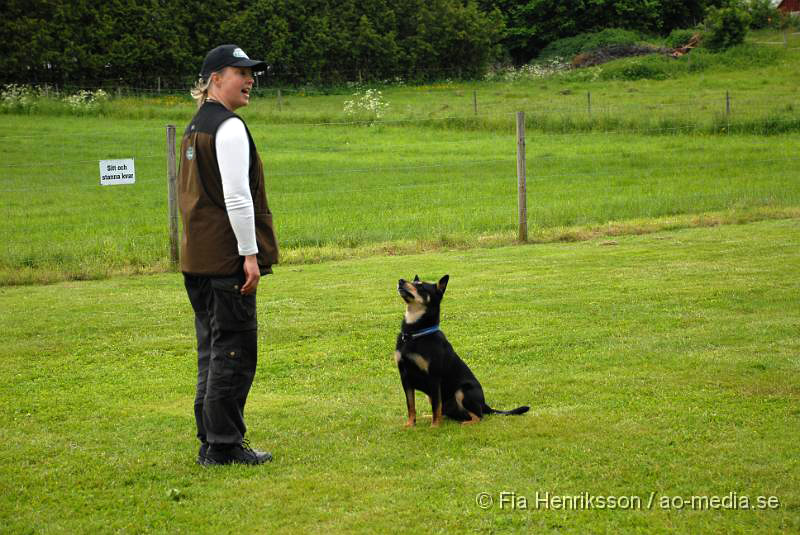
(519, 410)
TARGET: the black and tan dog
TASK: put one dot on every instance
(428, 362)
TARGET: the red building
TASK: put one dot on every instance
(788, 6)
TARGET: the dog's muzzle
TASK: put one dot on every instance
(401, 289)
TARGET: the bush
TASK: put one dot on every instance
(653, 67)
(786, 21)
(532, 71)
(85, 101)
(16, 98)
(725, 27)
(763, 14)
(678, 38)
(368, 103)
(570, 47)
(19, 98)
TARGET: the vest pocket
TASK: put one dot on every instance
(232, 310)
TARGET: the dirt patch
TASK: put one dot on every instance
(610, 53)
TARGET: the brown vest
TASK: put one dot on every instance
(209, 246)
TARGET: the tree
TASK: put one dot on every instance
(763, 13)
(726, 26)
(328, 42)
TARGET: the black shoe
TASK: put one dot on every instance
(236, 454)
(201, 455)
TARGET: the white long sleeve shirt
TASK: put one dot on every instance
(233, 156)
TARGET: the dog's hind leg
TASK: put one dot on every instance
(473, 419)
(455, 408)
(472, 402)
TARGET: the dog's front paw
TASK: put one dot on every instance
(411, 422)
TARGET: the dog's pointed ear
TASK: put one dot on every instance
(416, 278)
(442, 284)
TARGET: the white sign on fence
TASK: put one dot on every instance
(113, 172)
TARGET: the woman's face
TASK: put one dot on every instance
(231, 87)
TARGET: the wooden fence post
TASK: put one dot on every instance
(589, 103)
(727, 112)
(522, 202)
(172, 195)
(727, 104)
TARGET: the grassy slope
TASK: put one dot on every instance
(760, 81)
(665, 363)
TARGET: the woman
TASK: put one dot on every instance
(228, 243)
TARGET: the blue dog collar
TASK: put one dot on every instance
(413, 336)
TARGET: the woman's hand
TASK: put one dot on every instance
(251, 275)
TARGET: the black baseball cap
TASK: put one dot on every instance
(228, 56)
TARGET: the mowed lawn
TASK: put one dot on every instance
(661, 367)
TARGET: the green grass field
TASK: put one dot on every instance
(658, 367)
(432, 174)
(651, 324)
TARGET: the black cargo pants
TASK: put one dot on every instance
(226, 327)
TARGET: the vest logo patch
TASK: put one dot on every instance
(190, 153)
(239, 53)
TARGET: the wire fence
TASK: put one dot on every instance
(462, 100)
(349, 184)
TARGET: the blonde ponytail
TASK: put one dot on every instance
(200, 90)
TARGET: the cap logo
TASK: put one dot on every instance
(239, 53)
